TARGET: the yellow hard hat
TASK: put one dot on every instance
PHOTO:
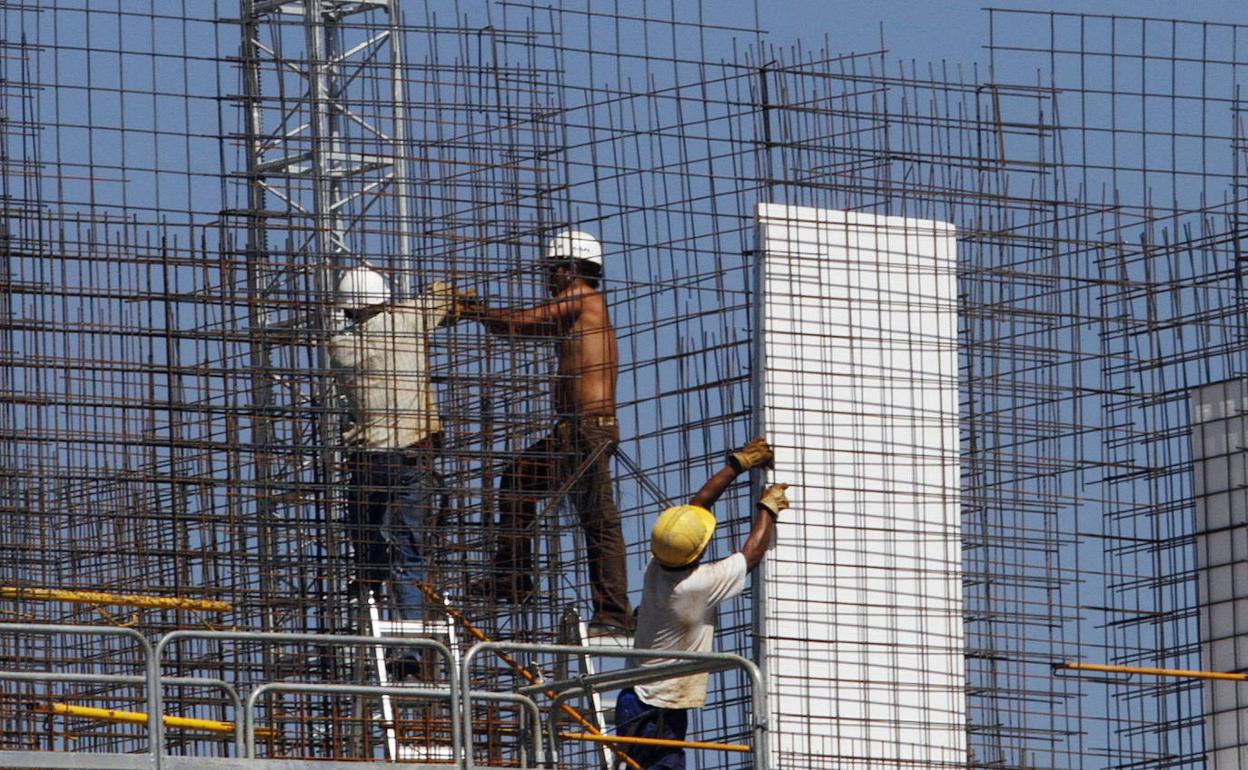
(681, 534)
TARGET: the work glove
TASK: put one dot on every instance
(774, 499)
(752, 455)
(441, 289)
(467, 302)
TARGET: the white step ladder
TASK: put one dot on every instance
(576, 632)
(440, 630)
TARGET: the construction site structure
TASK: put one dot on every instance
(989, 311)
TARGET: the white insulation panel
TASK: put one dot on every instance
(1220, 467)
(859, 614)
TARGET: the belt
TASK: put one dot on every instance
(601, 420)
(432, 441)
(420, 448)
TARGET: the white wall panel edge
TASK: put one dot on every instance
(938, 733)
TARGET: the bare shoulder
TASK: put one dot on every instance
(579, 297)
(579, 291)
(588, 298)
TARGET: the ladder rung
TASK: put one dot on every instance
(410, 628)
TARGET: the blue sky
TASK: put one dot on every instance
(932, 30)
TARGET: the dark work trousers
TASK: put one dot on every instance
(640, 720)
(395, 504)
(547, 466)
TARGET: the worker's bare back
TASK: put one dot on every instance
(588, 354)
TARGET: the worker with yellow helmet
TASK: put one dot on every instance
(679, 600)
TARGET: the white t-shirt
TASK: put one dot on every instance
(678, 613)
(382, 369)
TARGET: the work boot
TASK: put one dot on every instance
(604, 627)
(404, 670)
(512, 589)
(413, 666)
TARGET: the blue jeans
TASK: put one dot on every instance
(395, 503)
(637, 719)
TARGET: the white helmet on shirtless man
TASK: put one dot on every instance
(577, 251)
(574, 244)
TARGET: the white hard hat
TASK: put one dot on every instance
(574, 244)
(361, 287)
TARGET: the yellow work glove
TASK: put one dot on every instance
(440, 288)
(774, 499)
(465, 302)
(752, 455)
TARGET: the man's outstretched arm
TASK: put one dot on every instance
(752, 455)
(548, 318)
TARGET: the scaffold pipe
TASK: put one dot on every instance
(141, 718)
(1104, 668)
(104, 597)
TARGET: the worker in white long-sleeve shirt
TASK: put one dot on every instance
(679, 601)
(381, 365)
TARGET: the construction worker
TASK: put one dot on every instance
(381, 365)
(575, 457)
(679, 600)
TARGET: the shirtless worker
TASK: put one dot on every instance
(578, 450)
(679, 601)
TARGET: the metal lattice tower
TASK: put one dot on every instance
(306, 71)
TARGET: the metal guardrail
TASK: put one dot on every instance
(457, 741)
(394, 691)
(156, 758)
(688, 663)
(151, 670)
(458, 694)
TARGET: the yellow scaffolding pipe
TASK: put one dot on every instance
(1177, 672)
(636, 741)
(102, 597)
(140, 718)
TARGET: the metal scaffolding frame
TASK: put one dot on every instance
(179, 187)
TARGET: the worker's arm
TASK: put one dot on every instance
(438, 305)
(752, 455)
(549, 318)
(769, 506)
(715, 486)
